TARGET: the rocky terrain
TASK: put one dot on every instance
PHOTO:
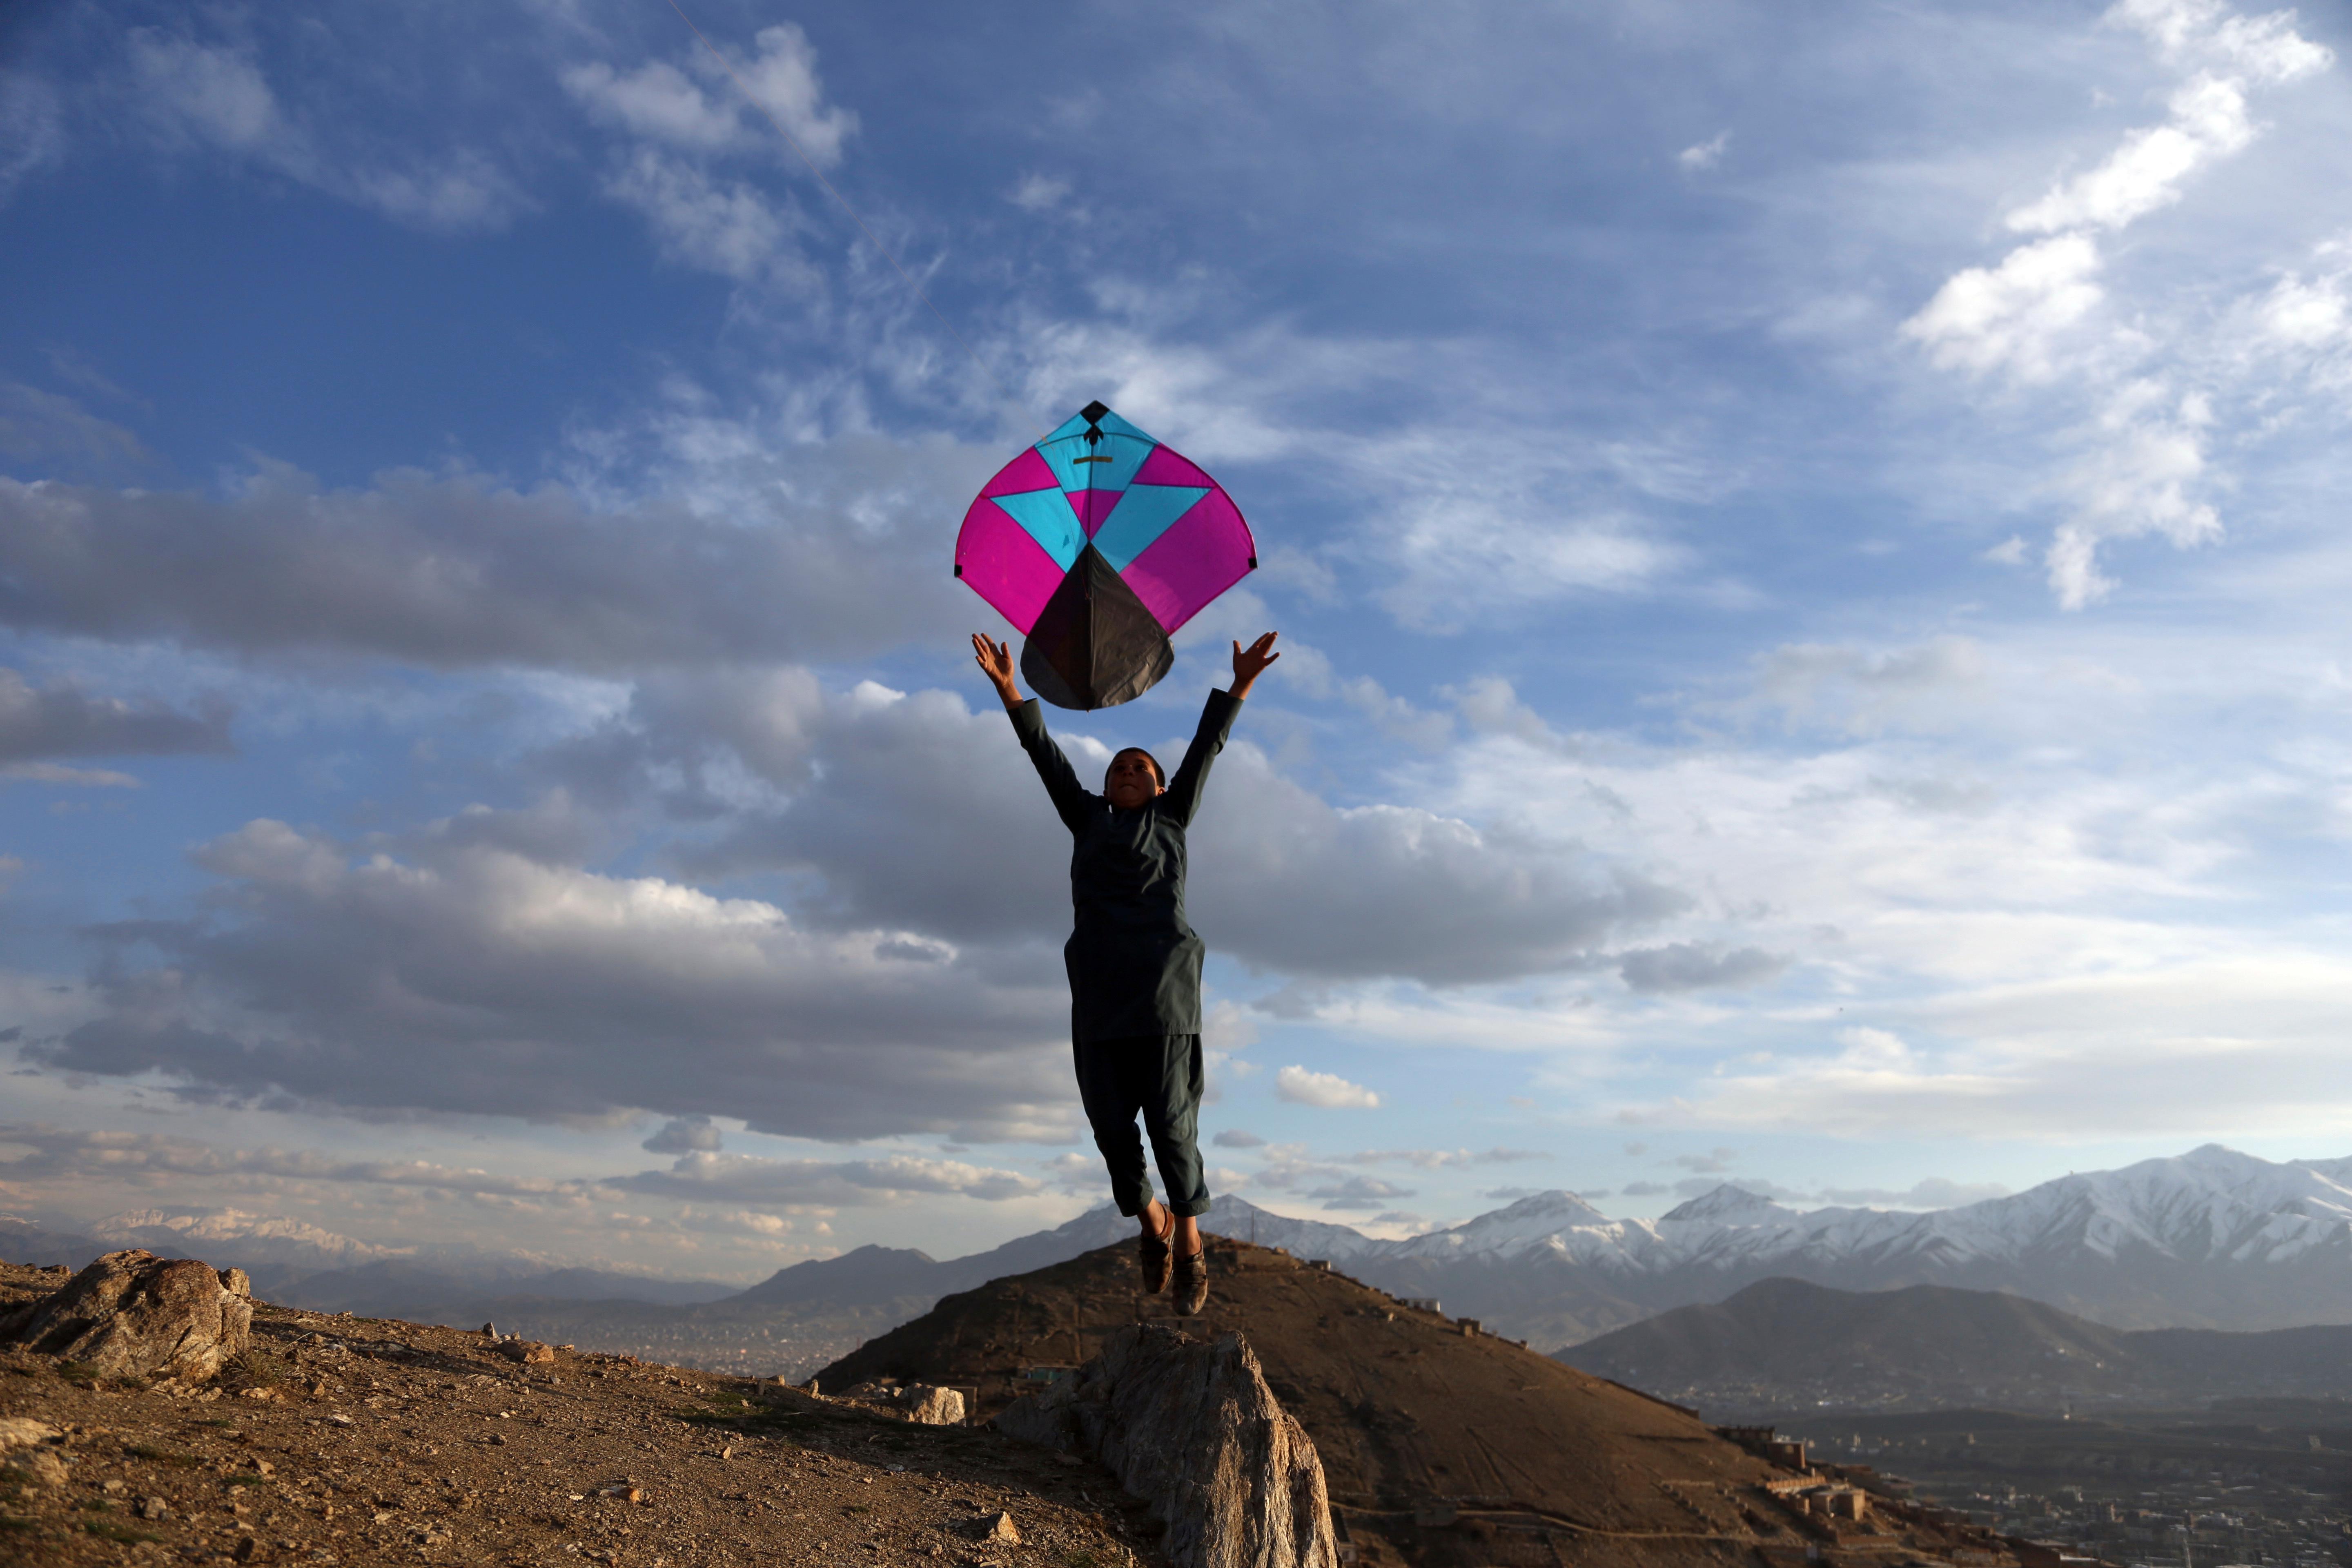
(152, 1411)
(334, 1439)
(1442, 1446)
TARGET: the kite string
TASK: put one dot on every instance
(904, 276)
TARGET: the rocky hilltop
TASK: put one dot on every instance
(1440, 1445)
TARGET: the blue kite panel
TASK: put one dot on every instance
(1126, 455)
(1142, 515)
(1050, 522)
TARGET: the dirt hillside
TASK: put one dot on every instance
(355, 1441)
(1442, 1446)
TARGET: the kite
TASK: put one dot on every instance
(1098, 543)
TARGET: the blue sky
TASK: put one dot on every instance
(1809, 550)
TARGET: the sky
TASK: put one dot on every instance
(1808, 549)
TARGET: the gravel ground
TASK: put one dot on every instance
(354, 1440)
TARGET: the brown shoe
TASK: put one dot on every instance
(1152, 1254)
(1192, 1283)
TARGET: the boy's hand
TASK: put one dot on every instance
(1250, 662)
(995, 661)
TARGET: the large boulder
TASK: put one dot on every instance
(930, 1405)
(1192, 1429)
(134, 1314)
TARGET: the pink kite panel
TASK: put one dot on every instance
(1003, 565)
(1092, 507)
(1165, 468)
(1203, 553)
(1029, 471)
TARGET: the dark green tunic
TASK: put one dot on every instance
(1134, 964)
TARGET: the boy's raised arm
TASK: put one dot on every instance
(1070, 799)
(1184, 796)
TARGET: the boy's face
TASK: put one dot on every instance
(1132, 782)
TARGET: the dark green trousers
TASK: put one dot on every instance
(1160, 1078)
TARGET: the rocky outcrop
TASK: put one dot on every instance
(930, 1405)
(926, 1405)
(1193, 1430)
(134, 1314)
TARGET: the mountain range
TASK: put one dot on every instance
(1785, 1345)
(2211, 1239)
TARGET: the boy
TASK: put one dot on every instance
(1135, 965)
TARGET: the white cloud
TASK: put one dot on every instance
(1466, 552)
(60, 719)
(1039, 192)
(923, 816)
(2032, 316)
(1396, 717)
(685, 1135)
(1464, 537)
(1441, 1159)
(464, 192)
(658, 101)
(807, 552)
(2206, 33)
(162, 1161)
(2209, 123)
(782, 76)
(1490, 704)
(1695, 966)
(219, 96)
(32, 129)
(1358, 1193)
(2304, 315)
(720, 226)
(2011, 317)
(2136, 479)
(1300, 1087)
(678, 122)
(2239, 1043)
(62, 435)
(1930, 1193)
(1926, 686)
(56, 774)
(1704, 155)
(795, 1185)
(470, 977)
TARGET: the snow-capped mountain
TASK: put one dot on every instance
(2212, 1238)
(260, 1238)
(2211, 1204)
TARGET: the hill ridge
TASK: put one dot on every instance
(1786, 1343)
